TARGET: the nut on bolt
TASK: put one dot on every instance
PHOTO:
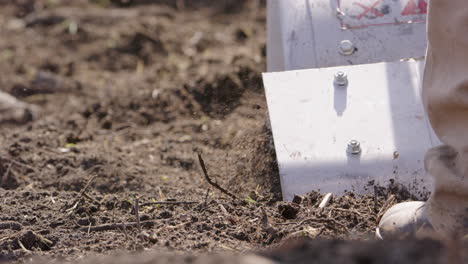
(354, 147)
(347, 48)
(341, 79)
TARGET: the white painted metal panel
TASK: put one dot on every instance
(306, 34)
(313, 120)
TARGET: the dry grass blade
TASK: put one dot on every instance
(137, 214)
(108, 227)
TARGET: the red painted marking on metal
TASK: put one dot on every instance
(415, 9)
(346, 26)
(369, 9)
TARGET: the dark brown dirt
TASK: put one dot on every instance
(129, 92)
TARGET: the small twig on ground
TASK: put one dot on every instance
(87, 184)
(91, 198)
(389, 202)
(108, 227)
(43, 240)
(307, 231)
(10, 236)
(75, 205)
(266, 226)
(313, 219)
(137, 214)
(165, 227)
(113, 210)
(168, 203)
(23, 247)
(223, 209)
(346, 211)
(206, 197)
(214, 184)
(326, 200)
(83, 195)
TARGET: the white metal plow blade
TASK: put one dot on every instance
(304, 34)
(313, 121)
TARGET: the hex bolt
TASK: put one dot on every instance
(354, 147)
(347, 48)
(341, 79)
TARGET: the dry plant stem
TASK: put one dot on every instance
(388, 203)
(346, 211)
(326, 200)
(83, 195)
(87, 184)
(43, 240)
(267, 227)
(223, 209)
(313, 219)
(22, 246)
(137, 214)
(206, 197)
(90, 198)
(168, 203)
(214, 184)
(10, 237)
(107, 227)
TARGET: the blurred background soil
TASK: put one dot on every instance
(129, 91)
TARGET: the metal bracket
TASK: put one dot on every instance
(313, 121)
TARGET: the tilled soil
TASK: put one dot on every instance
(129, 92)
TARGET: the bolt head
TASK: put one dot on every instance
(354, 147)
(341, 79)
(347, 47)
